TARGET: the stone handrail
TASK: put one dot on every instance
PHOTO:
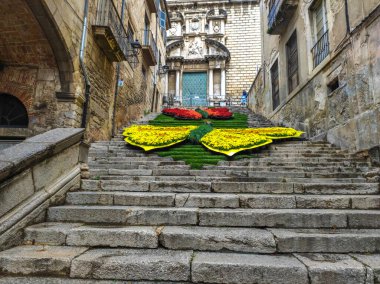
(35, 174)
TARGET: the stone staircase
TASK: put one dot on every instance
(254, 119)
(296, 212)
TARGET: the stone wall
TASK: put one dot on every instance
(34, 175)
(347, 115)
(244, 42)
(40, 51)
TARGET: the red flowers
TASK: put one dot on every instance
(219, 113)
(182, 113)
(216, 113)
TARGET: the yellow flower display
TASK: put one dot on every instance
(232, 141)
(270, 132)
(151, 137)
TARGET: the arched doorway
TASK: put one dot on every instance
(13, 113)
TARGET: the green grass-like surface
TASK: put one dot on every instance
(196, 155)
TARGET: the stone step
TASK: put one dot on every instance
(191, 186)
(122, 166)
(318, 169)
(275, 218)
(218, 200)
(221, 173)
(115, 264)
(279, 162)
(206, 238)
(231, 178)
(185, 265)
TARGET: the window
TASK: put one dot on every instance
(320, 32)
(275, 85)
(12, 112)
(333, 85)
(292, 57)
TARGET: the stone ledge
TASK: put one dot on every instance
(17, 158)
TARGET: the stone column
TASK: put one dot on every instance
(167, 83)
(177, 84)
(222, 27)
(210, 28)
(210, 84)
(223, 84)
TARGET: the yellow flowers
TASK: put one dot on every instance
(225, 141)
(152, 137)
(232, 141)
(276, 132)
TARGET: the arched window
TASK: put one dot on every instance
(12, 112)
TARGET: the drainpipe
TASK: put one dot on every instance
(155, 68)
(348, 28)
(83, 66)
(117, 77)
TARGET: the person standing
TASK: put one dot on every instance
(244, 98)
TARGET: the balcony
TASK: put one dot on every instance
(153, 5)
(280, 15)
(109, 32)
(321, 49)
(149, 48)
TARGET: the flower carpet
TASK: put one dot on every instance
(203, 136)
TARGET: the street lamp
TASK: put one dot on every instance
(136, 47)
(163, 69)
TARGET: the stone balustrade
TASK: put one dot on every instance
(36, 174)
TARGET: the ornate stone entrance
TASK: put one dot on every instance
(194, 89)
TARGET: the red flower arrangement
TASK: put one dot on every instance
(182, 113)
(219, 113)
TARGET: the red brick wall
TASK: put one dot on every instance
(31, 73)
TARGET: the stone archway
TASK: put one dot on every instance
(37, 66)
(57, 44)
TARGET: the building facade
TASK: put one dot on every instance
(77, 63)
(320, 69)
(213, 51)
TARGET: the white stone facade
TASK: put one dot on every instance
(218, 40)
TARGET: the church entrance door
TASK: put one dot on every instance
(194, 89)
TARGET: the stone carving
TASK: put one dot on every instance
(194, 25)
(195, 49)
(173, 30)
(216, 28)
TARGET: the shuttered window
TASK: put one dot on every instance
(292, 58)
(275, 85)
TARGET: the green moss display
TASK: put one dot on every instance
(197, 134)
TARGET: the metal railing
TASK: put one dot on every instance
(148, 40)
(273, 11)
(321, 49)
(108, 16)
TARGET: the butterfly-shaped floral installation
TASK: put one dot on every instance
(225, 141)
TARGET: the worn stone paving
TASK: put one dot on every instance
(297, 212)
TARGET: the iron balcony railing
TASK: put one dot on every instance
(108, 16)
(321, 49)
(273, 10)
(148, 41)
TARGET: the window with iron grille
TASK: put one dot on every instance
(320, 32)
(275, 85)
(292, 58)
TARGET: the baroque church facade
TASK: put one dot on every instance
(208, 46)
